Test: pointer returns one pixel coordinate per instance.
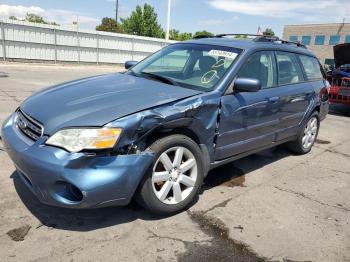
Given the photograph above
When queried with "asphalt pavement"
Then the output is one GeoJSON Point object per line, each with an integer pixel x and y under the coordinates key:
{"type": "Point", "coordinates": [271, 206]}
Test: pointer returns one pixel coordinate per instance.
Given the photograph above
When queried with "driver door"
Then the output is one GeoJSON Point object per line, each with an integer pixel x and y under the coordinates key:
{"type": "Point", "coordinates": [249, 120]}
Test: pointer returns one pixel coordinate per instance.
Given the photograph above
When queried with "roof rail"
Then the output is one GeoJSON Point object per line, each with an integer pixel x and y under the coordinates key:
{"type": "Point", "coordinates": [257, 38]}
{"type": "Point", "coordinates": [298, 44]}
{"type": "Point", "coordinates": [202, 36]}
{"type": "Point", "coordinates": [266, 38]}
{"type": "Point", "coordinates": [269, 38]}
{"type": "Point", "coordinates": [223, 35]}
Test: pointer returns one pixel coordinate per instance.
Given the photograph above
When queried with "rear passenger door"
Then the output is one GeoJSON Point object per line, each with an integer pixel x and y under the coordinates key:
{"type": "Point", "coordinates": [294, 93]}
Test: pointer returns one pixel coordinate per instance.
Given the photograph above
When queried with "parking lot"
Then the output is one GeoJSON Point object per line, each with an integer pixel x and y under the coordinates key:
{"type": "Point", "coordinates": [271, 206]}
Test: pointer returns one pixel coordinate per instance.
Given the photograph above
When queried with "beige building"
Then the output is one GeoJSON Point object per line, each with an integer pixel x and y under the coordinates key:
{"type": "Point", "coordinates": [320, 38]}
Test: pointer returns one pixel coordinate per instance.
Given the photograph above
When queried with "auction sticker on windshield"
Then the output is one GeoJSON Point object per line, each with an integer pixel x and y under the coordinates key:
{"type": "Point", "coordinates": [222, 54]}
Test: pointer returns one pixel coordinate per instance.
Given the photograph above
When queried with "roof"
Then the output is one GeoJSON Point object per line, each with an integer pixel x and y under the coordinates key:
{"type": "Point", "coordinates": [248, 44]}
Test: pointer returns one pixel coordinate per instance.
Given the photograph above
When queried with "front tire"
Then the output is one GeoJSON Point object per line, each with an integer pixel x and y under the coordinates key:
{"type": "Point", "coordinates": [175, 177]}
{"type": "Point", "coordinates": [307, 135]}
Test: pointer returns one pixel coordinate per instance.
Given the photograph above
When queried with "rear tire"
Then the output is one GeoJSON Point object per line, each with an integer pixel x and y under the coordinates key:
{"type": "Point", "coordinates": [307, 135]}
{"type": "Point", "coordinates": [174, 178]}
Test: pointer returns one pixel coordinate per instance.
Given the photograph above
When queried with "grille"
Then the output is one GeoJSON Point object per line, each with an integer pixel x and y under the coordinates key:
{"type": "Point", "coordinates": [337, 97]}
{"type": "Point", "coordinates": [28, 126]}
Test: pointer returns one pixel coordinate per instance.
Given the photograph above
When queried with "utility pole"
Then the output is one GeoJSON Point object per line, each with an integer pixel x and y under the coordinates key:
{"type": "Point", "coordinates": [168, 21]}
{"type": "Point", "coordinates": [116, 10]}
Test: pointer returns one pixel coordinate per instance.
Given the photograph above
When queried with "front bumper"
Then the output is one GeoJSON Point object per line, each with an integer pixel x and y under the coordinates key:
{"type": "Point", "coordinates": [77, 180]}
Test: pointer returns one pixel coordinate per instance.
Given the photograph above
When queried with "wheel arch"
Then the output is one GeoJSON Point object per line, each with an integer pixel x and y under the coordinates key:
{"type": "Point", "coordinates": [315, 106]}
{"type": "Point", "coordinates": [187, 127]}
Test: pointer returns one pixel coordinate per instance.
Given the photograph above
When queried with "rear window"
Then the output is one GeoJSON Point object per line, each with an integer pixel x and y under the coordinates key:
{"type": "Point", "coordinates": [311, 67]}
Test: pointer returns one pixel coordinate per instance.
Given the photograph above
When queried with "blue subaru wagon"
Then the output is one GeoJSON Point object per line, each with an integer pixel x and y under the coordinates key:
{"type": "Point", "coordinates": [153, 132]}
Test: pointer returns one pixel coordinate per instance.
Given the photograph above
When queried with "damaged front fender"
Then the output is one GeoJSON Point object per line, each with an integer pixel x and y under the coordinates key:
{"type": "Point", "coordinates": [198, 114]}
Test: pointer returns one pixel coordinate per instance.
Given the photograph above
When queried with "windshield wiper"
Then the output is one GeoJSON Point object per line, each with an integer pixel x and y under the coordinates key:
{"type": "Point", "coordinates": [161, 78]}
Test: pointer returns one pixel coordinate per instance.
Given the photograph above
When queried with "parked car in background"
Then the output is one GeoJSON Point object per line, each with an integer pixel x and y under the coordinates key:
{"type": "Point", "coordinates": [340, 76]}
{"type": "Point", "coordinates": [154, 132]}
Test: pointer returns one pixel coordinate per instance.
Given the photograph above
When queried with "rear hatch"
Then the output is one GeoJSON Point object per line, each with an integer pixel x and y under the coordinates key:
{"type": "Point", "coordinates": [341, 54]}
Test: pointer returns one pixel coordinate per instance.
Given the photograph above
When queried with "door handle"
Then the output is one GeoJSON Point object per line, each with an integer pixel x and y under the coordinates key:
{"type": "Point", "coordinates": [297, 99]}
{"type": "Point", "coordinates": [273, 99]}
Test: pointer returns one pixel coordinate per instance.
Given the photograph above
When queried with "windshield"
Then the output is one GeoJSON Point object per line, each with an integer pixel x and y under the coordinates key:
{"type": "Point", "coordinates": [193, 66]}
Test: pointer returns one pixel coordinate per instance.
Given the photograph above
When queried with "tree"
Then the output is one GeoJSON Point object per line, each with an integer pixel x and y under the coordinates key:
{"type": "Point", "coordinates": [269, 32]}
{"type": "Point", "coordinates": [33, 18]}
{"type": "Point", "coordinates": [203, 33]}
{"type": "Point", "coordinates": [109, 25]}
{"type": "Point", "coordinates": [185, 36]}
{"type": "Point", "coordinates": [176, 35]}
{"type": "Point", "coordinates": [143, 22]}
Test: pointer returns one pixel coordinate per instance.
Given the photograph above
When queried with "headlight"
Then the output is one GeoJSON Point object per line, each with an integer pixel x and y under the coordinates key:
{"type": "Point", "coordinates": [77, 139]}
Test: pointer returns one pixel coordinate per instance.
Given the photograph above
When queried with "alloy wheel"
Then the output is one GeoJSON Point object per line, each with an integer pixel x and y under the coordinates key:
{"type": "Point", "coordinates": [174, 175]}
{"type": "Point", "coordinates": [310, 133]}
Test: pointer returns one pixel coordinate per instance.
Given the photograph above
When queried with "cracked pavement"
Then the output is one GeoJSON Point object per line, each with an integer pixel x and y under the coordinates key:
{"type": "Point", "coordinates": [271, 206]}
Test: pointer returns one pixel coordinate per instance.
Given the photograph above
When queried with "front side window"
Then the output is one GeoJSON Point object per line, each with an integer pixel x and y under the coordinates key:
{"type": "Point", "coordinates": [319, 40]}
{"type": "Point", "coordinates": [193, 66]}
{"type": "Point", "coordinates": [311, 67]}
{"type": "Point", "coordinates": [260, 66]}
{"type": "Point", "coordinates": [306, 39]}
{"type": "Point", "coordinates": [334, 39]}
{"type": "Point", "coordinates": [289, 71]}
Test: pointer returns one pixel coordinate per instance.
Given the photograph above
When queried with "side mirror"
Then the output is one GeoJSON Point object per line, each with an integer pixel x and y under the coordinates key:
{"type": "Point", "coordinates": [129, 64]}
{"type": "Point", "coordinates": [247, 85]}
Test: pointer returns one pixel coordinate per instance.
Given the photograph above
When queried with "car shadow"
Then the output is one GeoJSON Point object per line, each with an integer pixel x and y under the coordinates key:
{"type": "Point", "coordinates": [78, 219]}
{"type": "Point", "coordinates": [234, 173]}
{"type": "Point", "coordinates": [91, 219]}
{"type": "Point", "coordinates": [339, 110]}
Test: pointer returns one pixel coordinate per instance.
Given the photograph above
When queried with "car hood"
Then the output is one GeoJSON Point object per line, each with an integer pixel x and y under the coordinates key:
{"type": "Point", "coordinates": [99, 100]}
{"type": "Point", "coordinates": [341, 54]}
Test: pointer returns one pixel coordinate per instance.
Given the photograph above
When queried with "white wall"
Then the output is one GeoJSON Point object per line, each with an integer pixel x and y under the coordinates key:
{"type": "Point", "coordinates": [29, 41]}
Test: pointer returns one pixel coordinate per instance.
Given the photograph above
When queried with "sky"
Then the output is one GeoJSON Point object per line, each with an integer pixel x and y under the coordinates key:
{"type": "Point", "coordinates": [217, 16]}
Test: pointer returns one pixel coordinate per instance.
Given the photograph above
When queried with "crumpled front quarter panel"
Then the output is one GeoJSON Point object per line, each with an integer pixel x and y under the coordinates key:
{"type": "Point", "coordinates": [198, 114]}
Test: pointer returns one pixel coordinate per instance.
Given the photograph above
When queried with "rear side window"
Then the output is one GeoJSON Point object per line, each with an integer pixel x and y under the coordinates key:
{"type": "Point", "coordinates": [289, 71]}
{"type": "Point", "coordinates": [260, 66]}
{"type": "Point", "coordinates": [311, 67]}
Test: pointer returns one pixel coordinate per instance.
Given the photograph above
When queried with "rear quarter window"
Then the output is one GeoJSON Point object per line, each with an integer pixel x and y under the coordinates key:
{"type": "Point", "coordinates": [311, 68]}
